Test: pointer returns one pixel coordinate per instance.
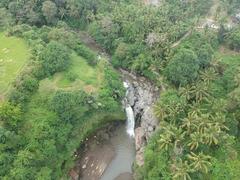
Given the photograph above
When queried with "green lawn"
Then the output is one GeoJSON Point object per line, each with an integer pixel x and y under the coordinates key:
{"type": "Point", "coordinates": [88, 78]}
{"type": "Point", "coordinates": [14, 53]}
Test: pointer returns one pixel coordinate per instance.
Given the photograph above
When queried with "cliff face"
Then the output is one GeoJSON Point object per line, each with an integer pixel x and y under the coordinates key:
{"type": "Point", "coordinates": [141, 97]}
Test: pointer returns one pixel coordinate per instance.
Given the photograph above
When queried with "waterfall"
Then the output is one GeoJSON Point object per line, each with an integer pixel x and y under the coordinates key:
{"type": "Point", "coordinates": [129, 113]}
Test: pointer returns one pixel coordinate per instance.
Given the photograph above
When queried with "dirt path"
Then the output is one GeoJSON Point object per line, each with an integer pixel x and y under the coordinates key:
{"type": "Point", "coordinates": [183, 38]}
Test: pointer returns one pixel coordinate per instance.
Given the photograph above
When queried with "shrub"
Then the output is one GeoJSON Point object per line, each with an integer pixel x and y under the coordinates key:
{"type": "Point", "coordinates": [55, 58]}
{"type": "Point", "coordinates": [88, 54]}
{"type": "Point", "coordinates": [182, 68]}
{"type": "Point", "coordinates": [71, 76]}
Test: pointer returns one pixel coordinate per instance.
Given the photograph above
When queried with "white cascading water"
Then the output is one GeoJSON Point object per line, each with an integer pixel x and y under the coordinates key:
{"type": "Point", "coordinates": [129, 113]}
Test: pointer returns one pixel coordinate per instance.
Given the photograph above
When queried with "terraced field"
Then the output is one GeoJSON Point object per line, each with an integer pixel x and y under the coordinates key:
{"type": "Point", "coordinates": [14, 54]}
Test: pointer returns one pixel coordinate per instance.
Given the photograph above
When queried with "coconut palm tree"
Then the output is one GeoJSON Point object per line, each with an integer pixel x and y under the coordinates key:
{"type": "Point", "coordinates": [181, 170]}
{"type": "Point", "coordinates": [203, 121]}
{"type": "Point", "coordinates": [200, 91]}
{"type": "Point", "coordinates": [200, 162]}
{"type": "Point", "coordinates": [160, 111]}
{"type": "Point", "coordinates": [211, 134]}
{"type": "Point", "coordinates": [208, 75]}
{"type": "Point", "coordinates": [189, 122]}
{"type": "Point", "coordinates": [219, 120]}
{"type": "Point", "coordinates": [165, 141]}
{"type": "Point", "coordinates": [186, 92]}
{"type": "Point", "coordinates": [195, 140]}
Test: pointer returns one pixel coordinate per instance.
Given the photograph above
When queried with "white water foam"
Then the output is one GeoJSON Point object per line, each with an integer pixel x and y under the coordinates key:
{"type": "Point", "coordinates": [130, 114]}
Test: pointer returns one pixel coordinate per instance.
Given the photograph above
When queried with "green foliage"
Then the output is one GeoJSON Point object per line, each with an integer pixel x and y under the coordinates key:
{"type": "Point", "coordinates": [5, 19]}
{"type": "Point", "coordinates": [183, 68]}
{"type": "Point", "coordinates": [63, 36]}
{"type": "Point", "coordinates": [54, 58]}
{"type": "Point", "coordinates": [112, 90]}
{"type": "Point", "coordinates": [87, 53]}
{"type": "Point", "coordinates": [71, 76]}
{"type": "Point", "coordinates": [170, 106]}
{"type": "Point", "coordinates": [233, 39]}
{"type": "Point", "coordinates": [49, 10]}
{"type": "Point", "coordinates": [10, 115]}
{"type": "Point", "coordinates": [66, 105]}
{"type": "Point", "coordinates": [205, 55]}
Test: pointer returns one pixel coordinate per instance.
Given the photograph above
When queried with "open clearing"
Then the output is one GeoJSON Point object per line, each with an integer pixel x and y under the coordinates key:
{"type": "Point", "coordinates": [14, 53]}
{"type": "Point", "coordinates": [87, 78]}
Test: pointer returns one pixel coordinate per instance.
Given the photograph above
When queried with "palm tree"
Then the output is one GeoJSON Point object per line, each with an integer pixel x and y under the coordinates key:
{"type": "Point", "coordinates": [195, 140]}
{"type": "Point", "coordinates": [166, 136]}
{"type": "Point", "coordinates": [203, 121]}
{"type": "Point", "coordinates": [219, 120]}
{"type": "Point", "coordinates": [208, 75]}
{"type": "Point", "coordinates": [200, 91]}
{"type": "Point", "coordinates": [211, 134]}
{"type": "Point", "coordinates": [190, 121]}
{"type": "Point", "coordinates": [186, 92]}
{"type": "Point", "coordinates": [171, 135]}
{"type": "Point", "coordinates": [181, 170]}
{"type": "Point", "coordinates": [200, 162]}
{"type": "Point", "coordinates": [165, 141]}
{"type": "Point", "coordinates": [160, 111]}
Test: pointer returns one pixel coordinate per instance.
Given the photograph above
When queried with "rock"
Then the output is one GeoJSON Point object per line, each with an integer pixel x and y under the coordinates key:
{"type": "Point", "coordinates": [74, 175]}
{"type": "Point", "coordinates": [84, 166]}
{"type": "Point", "coordinates": [139, 138]}
{"type": "Point", "coordinates": [141, 95]}
{"type": "Point", "coordinates": [140, 157]}
{"type": "Point", "coordinates": [150, 129]}
{"type": "Point", "coordinates": [105, 136]}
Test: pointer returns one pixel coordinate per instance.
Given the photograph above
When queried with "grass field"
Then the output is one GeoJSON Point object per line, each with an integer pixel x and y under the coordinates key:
{"type": "Point", "coordinates": [13, 55]}
{"type": "Point", "coordinates": [87, 78]}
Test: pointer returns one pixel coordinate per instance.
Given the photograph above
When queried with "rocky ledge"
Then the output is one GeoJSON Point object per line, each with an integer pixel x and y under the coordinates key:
{"type": "Point", "coordinates": [141, 97]}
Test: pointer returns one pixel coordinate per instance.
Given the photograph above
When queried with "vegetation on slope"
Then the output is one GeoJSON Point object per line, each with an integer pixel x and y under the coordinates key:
{"type": "Point", "coordinates": [199, 115]}
{"type": "Point", "coordinates": [43, 123]}
{"type": "Point", "coordinates": [14, 54]}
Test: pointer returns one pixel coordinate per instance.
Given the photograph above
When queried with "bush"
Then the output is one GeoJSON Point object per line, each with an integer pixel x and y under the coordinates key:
{"type": "Point", "coordinates": [205, 55]}
{"type": "Point", "coordinates": [54, 58]}
{"type": "Point", "coordinates": [182, 68]}
{"type": "Point", "coordinates": [87, 53]}
{"type": "Point", "coordinates": [71, 76]}
{"type": "Point", "coordinates": [234, 39]}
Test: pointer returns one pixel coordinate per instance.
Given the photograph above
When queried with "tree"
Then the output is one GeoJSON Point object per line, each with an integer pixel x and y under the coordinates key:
{"type": "Point", "coordinates": [205, 54]}
{"type": "Point", "coordinates": [195, 140]}
{"type": "Point", "coordinates": [233, 39]}
{"type": "Point", "coordinates": [181, 170]}
{"type": "Point", "coordinates": [200, 162]}
{"type": "Point", "coordinates": [208, 75]}
{"type": "Point", "coordinates": [49, 10]}
{"type": "Point", "coordinates": [10, 115]}
{"type": "Point", "coordinates": [189, 122]}
{"type": "Point", "coordinates": [200, 91]}
{"type": "Point", "coordinates": [186, 92]}
{"type": "Point", "coordinates": [54, 58]}
{"type": "Point", "coordinates": [182, 68]}
{"type": "Point", "coordinates": [5, 18]}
